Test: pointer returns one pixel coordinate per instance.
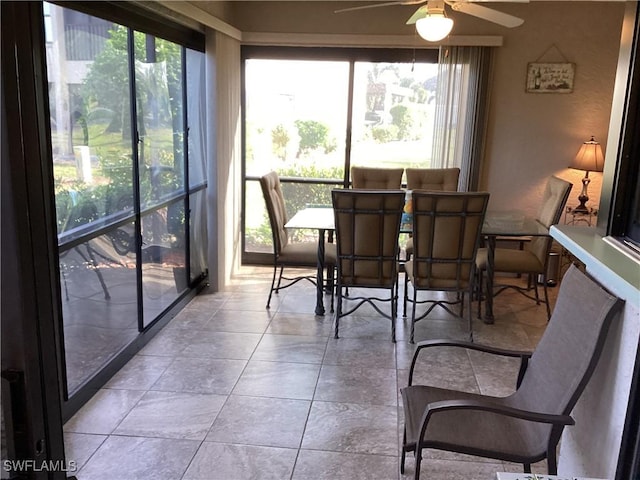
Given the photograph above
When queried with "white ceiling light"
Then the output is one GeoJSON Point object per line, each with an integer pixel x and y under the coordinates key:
{"type": "Point", "coordinates": [434, 26]}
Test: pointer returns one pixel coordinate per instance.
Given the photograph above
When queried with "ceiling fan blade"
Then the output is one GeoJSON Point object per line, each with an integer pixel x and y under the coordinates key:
{"type": "Point", "coordinates": [485, 13]}
{"type": "Point", "coordinates": [420, 13]}
{"type": "Point", "coordinates": [376, 5]}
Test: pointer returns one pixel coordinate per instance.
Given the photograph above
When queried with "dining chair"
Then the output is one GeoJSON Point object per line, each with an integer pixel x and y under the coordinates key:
{"type": "Point", "coordinates": [446, 235]}
{"type": "Point", "coordinates": [376, 178]}
{"type": "Point", "coordinates": [532, 259]}
{"type": "Point", "coordinates": [289, 254]}
{"type": "Point", "coordinates": [367, 226]}
{"type": "Point", "coordinates": [525, 426]}
{"type": "Point", "coordinates": [432, 180]}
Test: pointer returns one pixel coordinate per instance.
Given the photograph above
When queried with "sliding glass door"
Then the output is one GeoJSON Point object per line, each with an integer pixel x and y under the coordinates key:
{"type": "Point", "coordinates": [309, 114]}
{"type": "Point", "coordinates": [125, 174]}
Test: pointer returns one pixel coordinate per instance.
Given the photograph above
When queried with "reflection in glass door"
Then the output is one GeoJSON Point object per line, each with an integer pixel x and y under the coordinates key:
{"type": "Point", "coordinates": [87, 65]}
{"type": "Point", "coordinates": [158, 81]}
{"type": "Point", "coordinates": [120, 163]}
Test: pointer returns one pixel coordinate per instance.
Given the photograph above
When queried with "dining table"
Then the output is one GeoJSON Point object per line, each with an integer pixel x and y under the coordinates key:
{"type": "Point", "coordinates": [498, 224]}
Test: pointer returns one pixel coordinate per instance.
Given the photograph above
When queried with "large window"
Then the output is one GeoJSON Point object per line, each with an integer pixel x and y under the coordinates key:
{"type": "Point", "coordinates": [393, 113]}
{"type": "Point", "coordinates": [310, 114]}
{"type": "Point", "coordinates": [126, 174]}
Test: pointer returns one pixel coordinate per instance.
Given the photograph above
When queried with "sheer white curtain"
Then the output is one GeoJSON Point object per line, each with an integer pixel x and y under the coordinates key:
{"type": "Point", "coordinates": [224, 190]}
{"type": "Point", "coordinates": [461, 102]}
{"type": "Point", "coordinates": [197, 145]}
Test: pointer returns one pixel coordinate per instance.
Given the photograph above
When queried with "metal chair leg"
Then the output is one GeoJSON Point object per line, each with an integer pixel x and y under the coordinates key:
{"type": "Point", "coordinates": [413, 315]}
{"type": "Point", "coordinates": [338, 310]}
{"type": "Point", "coordinates": [273, 282]}
{"type": "Point", "coordinates": [404, 300]}
{"type": "Point", "coordinates": [546, 299]}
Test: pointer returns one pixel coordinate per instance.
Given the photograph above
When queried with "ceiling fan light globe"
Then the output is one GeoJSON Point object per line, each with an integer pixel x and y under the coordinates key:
{"type": "Point", "coordinates": [434, 27]}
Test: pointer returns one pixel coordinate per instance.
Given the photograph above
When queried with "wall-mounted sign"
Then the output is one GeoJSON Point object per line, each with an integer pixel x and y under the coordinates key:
{"type": "Point", "coordinates": [550, 77]}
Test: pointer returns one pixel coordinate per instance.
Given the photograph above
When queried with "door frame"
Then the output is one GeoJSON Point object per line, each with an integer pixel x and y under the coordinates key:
{"type": "Point", "coordinates": [30, 358]}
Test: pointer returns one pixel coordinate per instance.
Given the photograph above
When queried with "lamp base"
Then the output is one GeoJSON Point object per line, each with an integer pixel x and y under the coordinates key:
{"type": "Point", "coordinates": [583, 198]}
{"type": "Point", "coordinates": [580, 209]}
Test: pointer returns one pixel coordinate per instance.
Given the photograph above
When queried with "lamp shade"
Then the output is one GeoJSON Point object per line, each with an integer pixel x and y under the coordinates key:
{"type": "Point", "coordinates": [589, 157]}
{"type": "Point", "coordinates": [434, 27]}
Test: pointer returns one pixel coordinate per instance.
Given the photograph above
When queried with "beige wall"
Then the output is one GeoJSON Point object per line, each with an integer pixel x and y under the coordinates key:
{"type": "Point", "coordinates": [530, 136]}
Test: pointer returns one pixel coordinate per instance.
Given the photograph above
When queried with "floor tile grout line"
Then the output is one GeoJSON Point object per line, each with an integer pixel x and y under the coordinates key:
{"type": "Point", "coordinates": [306, 422]}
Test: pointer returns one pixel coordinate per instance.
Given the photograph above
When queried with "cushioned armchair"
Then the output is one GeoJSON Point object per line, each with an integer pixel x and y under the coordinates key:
{"type": "Point", "coordinates": [376, 178]}
{"type": "Point", "coordinates": [367, 226]}
{"type": "Point", "coordinates": [524, 427]}
{"type": "Point", "coordinates": [285, 253]}
{"type": "Point", "coordinates": [446, 234]}
{"type": "Point", "coordinates": [532, 259]}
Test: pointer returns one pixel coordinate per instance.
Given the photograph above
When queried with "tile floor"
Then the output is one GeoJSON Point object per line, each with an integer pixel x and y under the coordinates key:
{"type": "Point", "coordinates": [232, 391]}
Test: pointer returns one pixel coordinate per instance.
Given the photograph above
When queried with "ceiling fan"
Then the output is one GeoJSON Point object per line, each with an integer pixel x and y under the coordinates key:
{"type": "Point", "coordinates": [432, 23]}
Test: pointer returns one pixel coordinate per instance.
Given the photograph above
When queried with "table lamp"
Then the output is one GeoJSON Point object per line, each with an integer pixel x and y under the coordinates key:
{"type": "Point", "coordinates": [589, 159]}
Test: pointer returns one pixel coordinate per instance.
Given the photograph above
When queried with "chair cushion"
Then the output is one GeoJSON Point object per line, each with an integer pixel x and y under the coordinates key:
{"type": "Point", "coordinates": [433, 179]}
{"type": "Point", "coordinates": [465, 431]}
{"type": "Point", "coordinates": [376, 178]}
{"type": "Point", "coordinates": [367, 229]}
{"type": "Point", "coordinates": [553, 200]}
{"type": "Point", "coordinates": [306, 254]}
{"type": "Point", "coordinates": [443, 277]}
{"type": "Point", "coordinates": [511, 260]}
{"type": "Point", "coordinates": [272, 192]}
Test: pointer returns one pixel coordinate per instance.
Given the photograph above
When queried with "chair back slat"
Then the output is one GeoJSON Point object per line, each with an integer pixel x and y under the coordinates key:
{"type": "Point", "coordinates": [367, 228]}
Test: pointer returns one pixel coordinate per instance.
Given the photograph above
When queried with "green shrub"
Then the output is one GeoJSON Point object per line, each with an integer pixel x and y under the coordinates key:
{"type": "Point", "coordinates": [385, 133]}
{"type": "Point", "coordinates": [279, 140]}
{"type": "Point", "coordinates": [401, 118]}
{"type": "Point", "coordinates": [312, 135]}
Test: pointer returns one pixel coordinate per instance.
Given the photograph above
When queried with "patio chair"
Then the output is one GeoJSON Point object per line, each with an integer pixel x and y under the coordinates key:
{"type": "Point", "coordinates": [523, 427]}
{"type": "Point", "coordinates": [367, 227]}
{"type": "Point", "coordinates": [432, 180]}
{"type": "Point", "coordinates": [286, 253]}
{"type": "Point", "coordinates": [532, 258]}
{"type": "Point", "coordinates": [446, 234]}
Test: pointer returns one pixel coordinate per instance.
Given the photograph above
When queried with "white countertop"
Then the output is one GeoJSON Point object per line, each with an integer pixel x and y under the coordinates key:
{"type": "Point", "coordinates": [615, 267]}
